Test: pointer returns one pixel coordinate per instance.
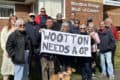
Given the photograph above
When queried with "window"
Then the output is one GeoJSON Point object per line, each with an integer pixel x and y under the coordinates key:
{"type": "Point", "coordinates": [6, 11]}
{"type": "Point", "coordinates": [53, 7]}
{"type": "Point", "coordinates": [112, 2]}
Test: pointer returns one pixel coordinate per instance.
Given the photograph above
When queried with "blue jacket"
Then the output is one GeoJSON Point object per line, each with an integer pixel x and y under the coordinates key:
{"type": "Point", "coordinates": [75, 30]}
{"type": "Point", "coordinates": [32, 30]}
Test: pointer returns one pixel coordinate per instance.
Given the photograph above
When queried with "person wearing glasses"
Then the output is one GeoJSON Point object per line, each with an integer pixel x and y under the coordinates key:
{"type": "Point", "coordinates": [41, 18]}
{"type": "Point", "coordinates": [19, 47]}
{"type": "Point", "coordinates": [7, 67]}
{"type": "Point", "coordinates": [85, 62]}
{"type": "Point", "coordinates": [106, 46]}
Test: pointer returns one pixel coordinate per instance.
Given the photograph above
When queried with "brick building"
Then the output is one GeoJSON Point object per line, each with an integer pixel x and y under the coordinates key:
{"type": "Point", "coordinates": [21, 8]}
{"type": "Point", "coordinates": [112, 9]}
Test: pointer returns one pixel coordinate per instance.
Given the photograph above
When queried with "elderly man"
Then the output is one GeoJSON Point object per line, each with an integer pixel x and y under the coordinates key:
{"type": "Point", "coordinates": [113, 29]}
{"type": "Point", "coordinates": [106, 46]}
{"type": "Point", "coordinates": [19, 46]}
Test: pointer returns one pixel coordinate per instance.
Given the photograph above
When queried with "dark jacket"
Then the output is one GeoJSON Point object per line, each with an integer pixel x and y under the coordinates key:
{"type": "Point", "coordinates": [70, 23]}
{"type": "Point", "coordinates": [32, 29]}
{"type": "Point", "coordinates": [17, 43]}
{"type": "Point", "coordinates": [107, 40]}
{"type": "Point", "coordinates": [57, 25]}
{"type": "Point", "coordinates": [75, 30]}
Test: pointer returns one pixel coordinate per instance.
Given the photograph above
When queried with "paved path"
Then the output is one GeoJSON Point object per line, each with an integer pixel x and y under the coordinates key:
{"type": "Point", "coordinates": [98, 76]}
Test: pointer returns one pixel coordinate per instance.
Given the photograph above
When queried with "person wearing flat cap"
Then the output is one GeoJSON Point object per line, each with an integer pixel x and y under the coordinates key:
{"type": "Point", "coordinates": [32, 29]}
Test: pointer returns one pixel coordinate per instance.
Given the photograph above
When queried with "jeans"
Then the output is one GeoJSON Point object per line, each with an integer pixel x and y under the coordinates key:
{"type": "Point", "coordinates": [107, 56]}
{"type": "Point", "coordinates": [22, 70]}
{"type": "Point", "coordinates": [86, 71]}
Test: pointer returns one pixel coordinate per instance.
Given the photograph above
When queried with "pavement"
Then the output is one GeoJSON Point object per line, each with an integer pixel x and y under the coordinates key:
{"type": "Point", "coordinates": [99, 77]}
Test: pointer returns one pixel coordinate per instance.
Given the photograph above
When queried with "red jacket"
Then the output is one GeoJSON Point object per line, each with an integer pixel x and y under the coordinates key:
{"type": "Point", "coordinates": [38, 19]}
{"type": "Point", "coordinates": [115, 32]}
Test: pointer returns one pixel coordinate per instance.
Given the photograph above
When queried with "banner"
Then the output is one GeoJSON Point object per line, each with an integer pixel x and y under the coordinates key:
{"type": "Point", "coordinates": [60, 43]}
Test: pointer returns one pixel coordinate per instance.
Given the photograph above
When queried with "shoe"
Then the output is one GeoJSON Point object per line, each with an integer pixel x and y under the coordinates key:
{"type": "Point", "coordinates": [112, 78]}
{"type": "Point", "coordinates": [103, 75]}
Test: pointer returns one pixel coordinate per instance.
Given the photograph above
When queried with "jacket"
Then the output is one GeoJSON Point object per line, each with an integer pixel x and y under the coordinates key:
{"type": "Point", "coordinates": [75, 30]}
{"type": "Point", "coordinates": [32, 29]}
{"type": "Point", "coordinates": [17, 43]}
{"type": "Point", "coordinates": [115, 32]}
{"type": "Point", "coordinates": [95, 41]}
{"type": "Point", "coordinates": [107, 40]}
{"type": "Point", "coordinates": [39, 20]}
{"type": "Point", "coordinates": [57, 25]}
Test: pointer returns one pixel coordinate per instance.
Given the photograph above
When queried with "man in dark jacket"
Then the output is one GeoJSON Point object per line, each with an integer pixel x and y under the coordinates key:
{"type": "Point", "coordinates": [106, 46]}
{"type": "Point", "coordinates": [113, 28]}
{"type": "Point", "coordinates": [19, 46]}
{"type": "Point", "coordinates": [47, 60]}
{"type": "Point", "coordinates": [32, 29]}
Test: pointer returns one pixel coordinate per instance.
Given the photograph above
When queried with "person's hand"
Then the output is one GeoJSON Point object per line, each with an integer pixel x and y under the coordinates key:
{"type": "Point", "coordinates": [92, 35]}
{"type": "Point", "coordinates": [40, 30]}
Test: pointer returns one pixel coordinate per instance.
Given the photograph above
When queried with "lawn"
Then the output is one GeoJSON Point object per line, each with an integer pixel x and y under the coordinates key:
{"type": "Point", "coordinates": [76, 76]}
{"type": "Point", "coordinates": [117, 56]}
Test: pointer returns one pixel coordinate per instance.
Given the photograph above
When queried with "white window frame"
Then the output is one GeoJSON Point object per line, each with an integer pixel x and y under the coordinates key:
{"type": "Point", "coordinates": [41, 4]}
{"type": "Point", "coordinates": [111, 2]}
{"type": "Point", "coordinates": [7, 6]}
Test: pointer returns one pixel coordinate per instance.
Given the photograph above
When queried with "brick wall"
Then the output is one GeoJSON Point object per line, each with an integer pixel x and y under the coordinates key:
{"type": "Point", "coordinates": [114, 13]}
{"type": "Point", "coordinates": [97, 16]}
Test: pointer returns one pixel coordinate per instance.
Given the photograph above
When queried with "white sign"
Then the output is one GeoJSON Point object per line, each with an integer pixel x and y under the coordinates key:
{"type": "Point", "coordinates": [112, 2]}
{"type": "Point", "coordinates": [60, 43]}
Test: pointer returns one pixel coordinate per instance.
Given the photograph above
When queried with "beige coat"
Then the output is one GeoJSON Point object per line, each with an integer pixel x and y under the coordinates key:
{"type": "Point", "coordinates": [7, 67]}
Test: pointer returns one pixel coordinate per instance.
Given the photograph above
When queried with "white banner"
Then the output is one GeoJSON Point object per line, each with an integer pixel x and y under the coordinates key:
{"type": "Point", "coordinates": [54, 42]}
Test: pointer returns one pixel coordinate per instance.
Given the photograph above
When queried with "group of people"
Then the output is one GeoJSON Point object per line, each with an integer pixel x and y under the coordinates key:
{"type": "Point", "coordinates": [20, 42]}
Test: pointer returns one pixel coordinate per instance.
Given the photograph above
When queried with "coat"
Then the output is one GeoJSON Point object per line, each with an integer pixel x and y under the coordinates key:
{"type": "Point", "coordinates": [16, 45]}
{"type": "Point", "coordinates": [7, 67]}
{"type": "Point", "coordinates": [107, 40]}
{"type": "Point", "coordinates": [32, 29]}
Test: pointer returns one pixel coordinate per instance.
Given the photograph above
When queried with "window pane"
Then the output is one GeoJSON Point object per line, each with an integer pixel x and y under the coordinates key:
{"type": "Point", "coordinates": [53, 7]}
{"type": "Point", "coordinates": [6, 11]}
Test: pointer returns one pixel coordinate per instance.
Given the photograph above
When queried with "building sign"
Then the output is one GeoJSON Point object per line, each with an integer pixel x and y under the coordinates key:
{"type": "Point", "coordinates": [84, 7]}
{"type": "Point", "coordinates": [112, 2]}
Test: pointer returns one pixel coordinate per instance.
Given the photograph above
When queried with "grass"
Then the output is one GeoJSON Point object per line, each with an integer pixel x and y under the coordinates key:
{"type": "Point", "coordinates": [117, 56]}
{"type": "Point", "coordinates": [76, 76]}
